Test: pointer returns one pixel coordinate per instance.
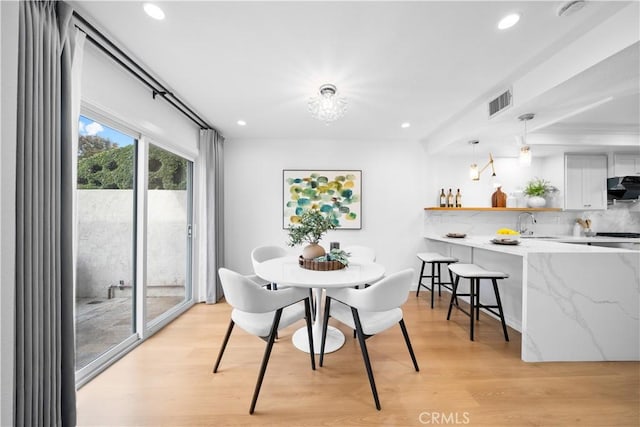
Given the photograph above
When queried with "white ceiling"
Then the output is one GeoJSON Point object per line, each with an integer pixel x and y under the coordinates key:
{"type": "Point", "coordinates": [416, 61]}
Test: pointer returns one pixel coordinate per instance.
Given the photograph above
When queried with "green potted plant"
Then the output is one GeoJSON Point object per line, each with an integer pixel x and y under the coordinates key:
{"type": "Point", "coordinates": [336, 255]}
{"type": "Point", "coordinates": [536, 190]}
{"type": "Point", "coordinates": [313, 224]}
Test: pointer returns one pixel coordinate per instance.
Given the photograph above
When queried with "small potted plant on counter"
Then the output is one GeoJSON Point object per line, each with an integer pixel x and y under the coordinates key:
{"type": "Point", "coordinates": [536, 190]}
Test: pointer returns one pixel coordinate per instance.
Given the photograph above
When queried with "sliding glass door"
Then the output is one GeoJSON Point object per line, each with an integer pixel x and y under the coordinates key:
{"type": "Point", "coordinates": [168, 272]}
{"type": "Point", "coordinates": [105, 264]}
{"type": "Point", "coordinates": [133, 246]}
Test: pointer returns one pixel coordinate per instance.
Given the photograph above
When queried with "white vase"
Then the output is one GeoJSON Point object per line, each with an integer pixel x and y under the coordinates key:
{"type": "Point", "coordinates": [536, 202]}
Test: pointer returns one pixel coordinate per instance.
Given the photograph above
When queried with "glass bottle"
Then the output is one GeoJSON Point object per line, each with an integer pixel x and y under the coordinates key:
{"type": "Point", "coordinates": [458, 199]}
{"type": "Point", "coordinates": [443, 199]}
{"type": "Point", "coordinates": [450, 199]}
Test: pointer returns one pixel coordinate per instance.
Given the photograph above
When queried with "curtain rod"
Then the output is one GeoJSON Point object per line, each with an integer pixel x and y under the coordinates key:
{"type": "Point", "coordinates": [146, 78]}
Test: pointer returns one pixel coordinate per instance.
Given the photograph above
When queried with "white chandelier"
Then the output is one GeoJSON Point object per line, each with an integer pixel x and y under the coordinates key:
{"type": "Point", "coordinates": [327, 106]}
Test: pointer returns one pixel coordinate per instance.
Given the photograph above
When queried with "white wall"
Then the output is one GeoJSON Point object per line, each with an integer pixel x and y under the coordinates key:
{"type": "Point", "coordinates": [452, 171]}
{"type": "Point", "coordinates": [393, 182]}
{"type": "Point", "coordinates": [8, 97]}
{"type": "Point", "coordinates": [399, 181]}
{"type": "Point", "coordinates": [113, 90]}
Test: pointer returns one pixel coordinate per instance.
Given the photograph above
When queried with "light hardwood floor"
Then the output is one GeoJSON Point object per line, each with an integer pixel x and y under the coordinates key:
{"type": "Point", "coordinates": [168, 380]}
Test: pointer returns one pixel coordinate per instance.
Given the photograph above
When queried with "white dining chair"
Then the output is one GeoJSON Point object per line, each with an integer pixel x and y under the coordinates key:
{"type": "Point", "coordinates": [370, 311]}
{"type": "Point", "coordinates": [359, 253]}
{"type": "Point", "coordinates": [265, 253]}
{"type": "Point", "coordinates": [262, 313]}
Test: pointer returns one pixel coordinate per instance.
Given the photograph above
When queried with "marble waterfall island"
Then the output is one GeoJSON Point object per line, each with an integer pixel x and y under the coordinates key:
{"type": "Point", "coordinates": [570, 302]}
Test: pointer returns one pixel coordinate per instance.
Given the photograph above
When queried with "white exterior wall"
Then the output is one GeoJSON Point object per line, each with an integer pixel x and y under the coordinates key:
{"type": "Point", "coordinates": [105, 236]}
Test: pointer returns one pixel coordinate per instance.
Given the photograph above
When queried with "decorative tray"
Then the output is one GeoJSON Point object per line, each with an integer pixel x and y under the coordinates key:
{"type": "Point", "coordinates": [456, 235]}
{"type": "Point", "coordinates": [505, 241]}
{"type": "Point", "coordinates": [310, 264]}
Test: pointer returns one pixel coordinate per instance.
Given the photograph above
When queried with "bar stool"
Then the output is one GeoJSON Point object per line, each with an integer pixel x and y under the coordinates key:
{"type": "Point", "coordinates": [474, 273]}
{"type": "Point", "coordinates": [434, 259]}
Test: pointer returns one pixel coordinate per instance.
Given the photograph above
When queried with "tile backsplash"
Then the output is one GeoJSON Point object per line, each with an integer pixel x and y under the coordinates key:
{"type": "Point", "coordinates": [615, 218]}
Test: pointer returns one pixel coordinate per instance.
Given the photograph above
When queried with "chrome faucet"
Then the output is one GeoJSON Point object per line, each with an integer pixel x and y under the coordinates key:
{"type": "Point", "coordinates": [521, 225]}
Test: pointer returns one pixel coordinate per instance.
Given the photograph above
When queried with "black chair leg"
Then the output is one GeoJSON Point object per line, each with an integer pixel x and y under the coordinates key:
{"type": "Point", "coordinates": [472, 307]}
{"type": "Point", "coordinates": [451, 277]}
{"type": "Point", "coordinates": [224, 345]}
{"type": "Point", "coordinates": [365, 356]}
{"type": "Point", "coordinates": [433, 272]}
{"type": "Point", "coordinates": [504, 325]}
{"type": "Point", "coordinates": [478, 299]}
{"type": "Point", "coordinates": [307, 312]}
{"type": "Point", "coordinates": [420, 279]}
{"type": "Point", "coordinates": [408, 341]}
{"type": "Point", "coordinates": [313, 303]}
{"type": "Point", "coordinates": [453, 296]}
{"type": "Point", "coordinates": [265, 358]}
{"type": "Point", "coordinates": [439, 281]}
{"type": "Point", "coordinates": [327, 306]}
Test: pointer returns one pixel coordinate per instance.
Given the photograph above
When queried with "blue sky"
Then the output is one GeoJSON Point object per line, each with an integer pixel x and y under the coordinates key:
{"type": "Point", "coordinates": [90, 127]}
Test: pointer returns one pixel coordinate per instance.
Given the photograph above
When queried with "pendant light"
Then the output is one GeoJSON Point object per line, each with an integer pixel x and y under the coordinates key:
{"type": "Point", "coordinates": [525, 150]}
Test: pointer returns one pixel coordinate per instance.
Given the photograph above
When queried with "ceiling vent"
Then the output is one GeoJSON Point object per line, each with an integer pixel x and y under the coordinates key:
{"type": "Point", "coordinates": [501, 102]}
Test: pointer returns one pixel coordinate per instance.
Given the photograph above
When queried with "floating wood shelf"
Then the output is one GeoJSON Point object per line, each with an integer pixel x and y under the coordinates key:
{"type": "Point", "coordinates": [496, 209]}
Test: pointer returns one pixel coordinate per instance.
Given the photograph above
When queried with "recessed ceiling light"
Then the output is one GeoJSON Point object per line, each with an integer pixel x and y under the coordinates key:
{"type": "Point", "coordinates": [405, 125]}
{"type": "Point", "coordinates": [508, 21]}
{"type": "Point", "coordinates": [153, 11]}
{"type": "Point", "coordinates": [241, 123]}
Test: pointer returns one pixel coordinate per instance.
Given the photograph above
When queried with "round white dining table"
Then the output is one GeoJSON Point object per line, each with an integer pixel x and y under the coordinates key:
{"type": "Point", "coordinates": [287, 271]}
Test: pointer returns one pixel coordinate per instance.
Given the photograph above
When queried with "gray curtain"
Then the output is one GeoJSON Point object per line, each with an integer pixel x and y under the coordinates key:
{"type": "Point", "coordinates": [211, 152]}
{"type": "Point", "coordinates": [44, 355]}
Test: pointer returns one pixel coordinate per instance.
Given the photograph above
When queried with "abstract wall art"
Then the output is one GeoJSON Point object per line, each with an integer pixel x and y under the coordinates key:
{"type": "Point", "coordinates": [337, 193]}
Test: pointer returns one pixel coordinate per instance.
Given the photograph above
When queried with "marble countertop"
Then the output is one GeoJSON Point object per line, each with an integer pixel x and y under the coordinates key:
{"type": "Point", "coordinates": [594, 239]}
{"type": "Point", "coordinates": [528, 245]}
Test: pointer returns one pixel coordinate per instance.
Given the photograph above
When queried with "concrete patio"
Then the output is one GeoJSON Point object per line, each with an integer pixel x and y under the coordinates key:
{"type": "Point", "coordinates": [102, 323]}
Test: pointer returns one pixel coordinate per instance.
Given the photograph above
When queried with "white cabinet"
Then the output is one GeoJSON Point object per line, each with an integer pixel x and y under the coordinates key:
{"type": "Point", "coordinates": [626, 165]}
{"type": "Point", "coordinates": [585, 182]}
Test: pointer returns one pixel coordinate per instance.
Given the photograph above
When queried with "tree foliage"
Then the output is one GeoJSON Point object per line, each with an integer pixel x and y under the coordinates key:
{"type": "Point", "coordinates": [166, 170]}
{"type": "Point", "coordinates": [313, 224]}
{"type": "Point", "coordinates": [112, 168]}
{"type": "Point", "coordinates": [88, 145]}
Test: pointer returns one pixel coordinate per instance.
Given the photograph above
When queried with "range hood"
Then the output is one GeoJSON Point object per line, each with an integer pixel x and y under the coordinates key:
{"type": "Point", "coordinates": [623, 188]}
